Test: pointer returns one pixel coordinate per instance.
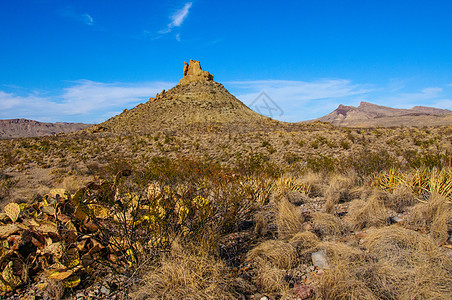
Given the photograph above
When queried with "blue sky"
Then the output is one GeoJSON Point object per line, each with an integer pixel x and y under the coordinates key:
{"type": "Point", "coordinates": [85, 61]}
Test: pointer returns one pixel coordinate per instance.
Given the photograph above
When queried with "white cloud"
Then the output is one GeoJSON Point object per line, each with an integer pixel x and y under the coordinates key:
{"type": "Point", "coordinates": [177, 18]}
{"type": "Point", "coordinates": [83, 18]}
{"type": "Point", "coordinates": [84, 101]}
{"type": "Point", "coordinates": [301, 100]}
{"type": "Point", "coordinates": [87, 19]}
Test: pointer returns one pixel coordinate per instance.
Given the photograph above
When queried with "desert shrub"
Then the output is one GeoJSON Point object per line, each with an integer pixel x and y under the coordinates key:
{"type": "Point", "coordinates": [321, 164]}
{"type": "Point", "coordinates": [429, 159]}
{"type": "Point", "coordinates": [366, 163]}
{"type": "Point", "coordinates": [257, 164]}
{"type": "Point", "coordinates": [291, 158]}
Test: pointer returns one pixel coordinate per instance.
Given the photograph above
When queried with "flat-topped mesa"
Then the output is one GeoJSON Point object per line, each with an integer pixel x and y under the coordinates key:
{"type": "Point", "coordinates": [194, 73]}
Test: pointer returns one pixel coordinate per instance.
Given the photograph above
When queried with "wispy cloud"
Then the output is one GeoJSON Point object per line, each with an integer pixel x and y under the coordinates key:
{"type": "Point", "coordinates": [80, 17]}
{"type": "Point", "coordinates": [177, 18]}
{"type": "Point", "coordinates": [84, 101]}
{"type": "Point", "coordinates": [426, 96]}
{"type": "Point", "coordinates": [301, 100]}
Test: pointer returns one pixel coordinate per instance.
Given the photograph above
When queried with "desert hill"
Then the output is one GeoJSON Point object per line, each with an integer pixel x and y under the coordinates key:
{"type": "Point", "coordinates": [372, 115]}
{"type": "Point", "coordinates": [17, 128]}
{"type": "Point", "coordinates": [195, 102]}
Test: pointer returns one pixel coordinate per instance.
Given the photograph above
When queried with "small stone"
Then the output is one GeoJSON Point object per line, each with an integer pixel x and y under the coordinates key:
{"type": "Point", "coordinates": [264, 298]}
{"type": "Point", "coordinates": [104, 290]}
{"type": "Point", "coordinates": [396, 219]}
{"type": "Point", "coordinates": [319, 259]}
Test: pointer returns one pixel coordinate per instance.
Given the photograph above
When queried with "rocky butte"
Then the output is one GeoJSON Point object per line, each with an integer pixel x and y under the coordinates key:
{"type": "Point", "coordinates": [197, 102]}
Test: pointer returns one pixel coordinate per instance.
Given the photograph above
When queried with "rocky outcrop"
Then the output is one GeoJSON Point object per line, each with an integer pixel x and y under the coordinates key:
{"type": "Point", "coordinates": [194, 73]}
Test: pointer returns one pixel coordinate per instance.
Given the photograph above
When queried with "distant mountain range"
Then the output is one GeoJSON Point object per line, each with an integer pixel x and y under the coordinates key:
{"type": "Point", "coordinates": [17, 128]}
{"type": "Point", "coordinates": [372, 115]}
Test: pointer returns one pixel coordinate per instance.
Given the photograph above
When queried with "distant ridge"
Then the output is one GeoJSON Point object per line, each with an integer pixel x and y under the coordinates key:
{"type": "Point", "coordinates": [19, 128]}
{"type": "Point", "coordinates": [372, 115]}
{"type": "Point", "coordinates": [197, 102]}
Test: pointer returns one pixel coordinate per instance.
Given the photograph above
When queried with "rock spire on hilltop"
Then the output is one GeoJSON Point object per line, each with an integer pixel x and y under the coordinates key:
{"type": "Point", "coordinates": [196, 103]}
{"type": "Point", "coordinates": [193, 73]}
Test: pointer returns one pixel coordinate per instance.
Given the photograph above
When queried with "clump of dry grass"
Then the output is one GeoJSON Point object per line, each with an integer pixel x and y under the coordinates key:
{"type": "Point", "coordinates": [338, 252]}
{"type": "Point", "coordinates": [270, 278]}
{"type": "Point", "coordinates": [273, 258]}
{"type": "Point", "coordinates": [401, 264]}
{"type": "Point", "coordinates": [304, 240]}
{"type": "Point", "coordinates": [340, 189]}
{"type": "Point", "coordinates": [434, 216]}
{"type": "Point", "coordinates": [327, 224]}
{"type": "Point", "coordinates": [184, 274]}
{"type": "Point", "coordinates": [371, 212]}
{"type": "Point", "coordinates": [401, 198]}
{"type": "Point", "coordinates": [289, 219]}
{"type": "Point", "coordinates": [260, 225]}
{"type": "Point", "coordinates": [315, 184]}
{"type": "Point", "coordinates": [277, 253]}
{"type": "Point", "coordinates": [342, 283]}
{"type": "Point", "coordinates": [428, 272]}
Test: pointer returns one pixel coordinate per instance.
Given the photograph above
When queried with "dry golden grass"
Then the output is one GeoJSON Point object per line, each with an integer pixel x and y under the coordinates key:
{"type": "Point", "coordinates": [304, 240]}
{"type": "Point", "coordinates": [260, 225]}
{"type": "Point", "coordinates": [402, 264]}
{"type": "Point", "coordinates": [401, 198]}
{"type": "Point", "coordinates": [338, 252]}
{"type": "Point", "coordinates": [270, 278]}
{"type": "Point", "coordinates": [277, 253]}
{"type": "Point", "coordinates": [289, 219]}
{"type": "Point", "coordinates": [184, 274]}
{"type": "Point", "coordinates": [327, 224]}
{"type": "Point", "coordinates": [371, 212]}
{"type": "Point", "coordinates": [434, 216]}
{"type": "Point", "coordinates": [428, 271]}
{"type": "Point", "coordinates": [315, 182]}
{"type": "Point", "coordinates": [341, 283]}
{"type": "Point", "coordinates": [341, 189]}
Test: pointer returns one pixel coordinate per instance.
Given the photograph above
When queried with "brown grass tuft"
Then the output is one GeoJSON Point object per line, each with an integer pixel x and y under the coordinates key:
{"type": "Point", "coordinates": [183, 274]}
{"type": "Point", "coordinates": [304, 240]}
{"type": "Point", "coordinates": [401, 198]}
{"type": "Point", "coordinates": [260, 225]}
{"type": "Point", "coordinates": [339, 190]}
{"type": "Point", "coordinates": [368, 213]}
{"type": "Point", "coordinates": [434, 216]}
{"type": "Point", "coordinates": [278, 253]}
{"type": "Point", "coordinates": [270, 278]}
{"type": "Point", "coordinates": [327, 224]}
{"type": "Point", "coordinates": [289, 219]}
{"type": "Point", "coordinates": [401, 264]}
